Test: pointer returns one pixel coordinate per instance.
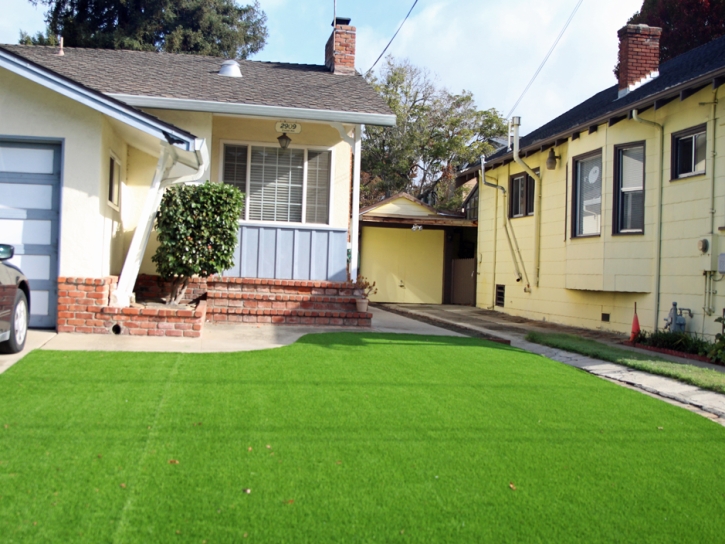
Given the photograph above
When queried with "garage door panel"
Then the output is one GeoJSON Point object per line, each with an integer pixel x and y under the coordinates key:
{"type": "Point", "coordinates": [29, 218]}
{"type": "Point", "coordinates": [380, 262]}
{"type": "Point", "coordinates": [424, 266]}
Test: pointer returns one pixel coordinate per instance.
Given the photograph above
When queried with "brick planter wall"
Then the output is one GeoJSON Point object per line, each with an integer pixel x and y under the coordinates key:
{"type": "Point", "coordinates": [83, 306]}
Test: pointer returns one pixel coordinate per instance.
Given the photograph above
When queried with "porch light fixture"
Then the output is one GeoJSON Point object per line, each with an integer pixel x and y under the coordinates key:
{"type": "Point", "coordinates": [551, 160]}
{"type": "Point", "coordinates": [284, 141]}
{"type": "Point", "coordinates": [417, 227]}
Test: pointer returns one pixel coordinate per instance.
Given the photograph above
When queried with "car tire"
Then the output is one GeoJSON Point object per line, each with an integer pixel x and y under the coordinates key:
{"type": "Point", "coordinates": [18, 325]}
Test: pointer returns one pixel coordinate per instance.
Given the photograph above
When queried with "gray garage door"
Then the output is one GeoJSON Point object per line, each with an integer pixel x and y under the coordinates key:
{"type": "Point", "coordinates": [29, 204]}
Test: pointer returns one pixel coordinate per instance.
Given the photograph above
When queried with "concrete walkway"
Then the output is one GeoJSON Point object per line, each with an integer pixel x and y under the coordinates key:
{"type": "Point", "coordinates": [514, 329]}
{"type": "Point", "coordinates": [216, 338]}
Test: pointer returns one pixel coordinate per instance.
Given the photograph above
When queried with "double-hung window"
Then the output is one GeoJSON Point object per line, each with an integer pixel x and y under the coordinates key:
{"type": "Point", "coordinates": [291, 185]}
{"type": "Point", "coordinates": [629, 189]}
{"type": "Point", "coordinates": [688, 152]}
{"type": "Point", "coordinates": [521, 191]}
{"type": "Point", "coordinates": [587, 208]}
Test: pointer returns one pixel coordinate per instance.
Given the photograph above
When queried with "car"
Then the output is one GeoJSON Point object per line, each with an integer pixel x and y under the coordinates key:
{"type": "Point", "coordinates": [14, 303]}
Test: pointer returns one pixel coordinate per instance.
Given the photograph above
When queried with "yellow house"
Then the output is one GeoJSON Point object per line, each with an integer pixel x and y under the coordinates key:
{"type": "Point", "coordinates": [621, 200]}
{"type": "Point", "coordinates": [89, 139]}
{"type": "Point", "coordinates": [416, 255]}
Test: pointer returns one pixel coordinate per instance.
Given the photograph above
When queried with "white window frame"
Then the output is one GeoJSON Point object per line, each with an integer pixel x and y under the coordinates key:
{"type": "Point", "coordinates": [114, 205]}
{"type": "Point", "coordinates": [306, 148]}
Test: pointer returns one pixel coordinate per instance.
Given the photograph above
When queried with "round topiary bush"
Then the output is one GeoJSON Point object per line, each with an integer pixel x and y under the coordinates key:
{"type": "Point", "coordinates": [197, 232]}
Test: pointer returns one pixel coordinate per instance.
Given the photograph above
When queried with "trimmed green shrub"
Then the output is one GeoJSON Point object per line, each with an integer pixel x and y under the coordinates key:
{"type": "Point", "coordinates": [197, 233]}
{"type": "Point", "coordinates": [677, 341]}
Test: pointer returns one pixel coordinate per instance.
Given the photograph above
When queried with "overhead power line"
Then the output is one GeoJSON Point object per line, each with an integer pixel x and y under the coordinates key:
{"type": "Point", "coordinates": [558, 38]}
{"type": "Point", "coordinates": [391, 39]}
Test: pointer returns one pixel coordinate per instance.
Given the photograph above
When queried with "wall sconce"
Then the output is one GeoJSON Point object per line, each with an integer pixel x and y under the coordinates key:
{"type": "Point", "coordinates": [284, 141]}
{"type": "Point", "coordinates": [551, 160]}
{"type": "Point", "coordinates": [417, 227]}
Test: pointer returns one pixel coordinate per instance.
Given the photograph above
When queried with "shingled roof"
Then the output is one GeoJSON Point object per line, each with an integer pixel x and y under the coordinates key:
{"type": "Point", "coordinates": [196, 78]}
{"type": "Point", "coordinates": [678, 79]}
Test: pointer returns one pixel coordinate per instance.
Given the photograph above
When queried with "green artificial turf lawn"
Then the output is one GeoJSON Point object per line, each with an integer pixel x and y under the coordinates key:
{"type": "Point", "coordinates": [705, 378]}
{"type": "Point", "coordinates": [348, 437]}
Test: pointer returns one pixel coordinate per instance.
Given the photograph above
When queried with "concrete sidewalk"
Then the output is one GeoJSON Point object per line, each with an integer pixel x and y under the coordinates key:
{"type": "Point", "coordinates": [514, 329]}
{"type": "Point", "coordinates": [215, 338]}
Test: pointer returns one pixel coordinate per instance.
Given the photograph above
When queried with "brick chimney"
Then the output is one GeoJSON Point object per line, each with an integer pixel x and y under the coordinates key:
{"type": "Point", "coordinates": [340, 48]}
{"type": "Point", "coordinates": [639, 56]}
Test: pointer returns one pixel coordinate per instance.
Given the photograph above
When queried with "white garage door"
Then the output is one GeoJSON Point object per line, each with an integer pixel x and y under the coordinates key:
{"type": "Point", "coordinates": [29, 204]}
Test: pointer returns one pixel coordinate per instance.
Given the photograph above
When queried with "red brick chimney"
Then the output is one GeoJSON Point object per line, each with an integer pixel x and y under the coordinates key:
{"type": "Point", "coordinates": [639, 56]}
{"type": "Point", "coordinates": [340, 48]}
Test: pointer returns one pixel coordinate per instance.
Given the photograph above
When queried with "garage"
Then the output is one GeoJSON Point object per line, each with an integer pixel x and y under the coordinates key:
{"type": "Point", "coordinates": [29, 204]}
{"type": "Point", "coordinates": [416, 255]}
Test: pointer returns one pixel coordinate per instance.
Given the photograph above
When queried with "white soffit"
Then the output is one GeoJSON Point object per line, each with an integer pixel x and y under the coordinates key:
{"type": "Point", "coordinates": [275, 112]}
{"type": "Point", "coordinates": [97, 101]}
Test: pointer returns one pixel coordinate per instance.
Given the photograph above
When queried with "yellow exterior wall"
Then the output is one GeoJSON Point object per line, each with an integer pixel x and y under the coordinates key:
{"type": "Point", "coordinates": [394, 256]}
{"type": "Point", "coordinates": [402, 206]}
{"type": "Point", "coordinates": [582, 278]}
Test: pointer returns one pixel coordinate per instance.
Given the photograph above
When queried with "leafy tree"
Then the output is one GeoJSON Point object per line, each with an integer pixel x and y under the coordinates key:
{"type": "Point", "coordinates": [207, 27]}
{"type": "Point", "coordinates": [685, 23]}
{"type": "Point", "coordinates": [197, 232]}
{"type": "Point", "coordinates": [436, 133]}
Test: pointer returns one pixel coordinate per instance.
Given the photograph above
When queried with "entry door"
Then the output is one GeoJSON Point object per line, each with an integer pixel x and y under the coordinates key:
{"type": "Point", "coordinates": [29, 204]}
{"type": "Point", "coordinates": [406, 265]}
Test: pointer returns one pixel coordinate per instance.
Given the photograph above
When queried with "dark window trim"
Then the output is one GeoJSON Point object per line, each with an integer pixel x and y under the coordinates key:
{"type": "Point", "coordinates": [673, 151]}
{"type": "Point", "coordinates": [618, 182]}
{"type": "Point", "coordinates": [575, 192]}
{"type": "Point", "coordinates": [528, 199]}
{"type": "Point", "coordinates": [114, 183]}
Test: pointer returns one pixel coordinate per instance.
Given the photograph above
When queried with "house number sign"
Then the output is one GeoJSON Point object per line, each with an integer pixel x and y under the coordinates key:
{"type": "Point", "coordinates": [289, 128]}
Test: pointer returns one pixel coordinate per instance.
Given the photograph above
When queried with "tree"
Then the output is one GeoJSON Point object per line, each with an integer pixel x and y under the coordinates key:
{"type": "Point", "coordinates": [685, 24]}
{"type": "Point", "coordinates": [437, 132]}
{"type": "Point", "coordinates": [197, 232]}
{"type": "Point", "coordinates": [206, 27]}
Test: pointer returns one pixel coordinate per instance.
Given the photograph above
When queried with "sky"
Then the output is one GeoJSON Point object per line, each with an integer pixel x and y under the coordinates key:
{"type": "Point", "coordinates": [491, 48]}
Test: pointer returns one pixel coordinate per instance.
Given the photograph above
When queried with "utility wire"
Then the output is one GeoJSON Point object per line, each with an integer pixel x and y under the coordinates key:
{"type": "Point", "coordinates": [576, 8]}
{"type": "Point", "coordinates": [391, 39]}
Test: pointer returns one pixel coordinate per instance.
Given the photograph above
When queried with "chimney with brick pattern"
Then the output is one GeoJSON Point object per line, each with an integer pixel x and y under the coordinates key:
{"type": "Point", "coordinates": [340, 48]}
{"type": "Point", "coordinates": [639, 56]}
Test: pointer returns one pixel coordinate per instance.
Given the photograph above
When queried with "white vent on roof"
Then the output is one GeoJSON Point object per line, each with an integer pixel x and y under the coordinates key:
{"type": "Point", "coordinates": [230, 68]}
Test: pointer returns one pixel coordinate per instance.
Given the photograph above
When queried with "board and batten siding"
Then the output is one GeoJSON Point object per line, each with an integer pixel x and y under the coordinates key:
{"type": "Point", "coordinates": [290, 253]}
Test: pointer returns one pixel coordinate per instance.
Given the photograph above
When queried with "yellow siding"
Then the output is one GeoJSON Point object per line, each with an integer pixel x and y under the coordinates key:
{"type": "Point", "coordinates": [402, 206]}
{"type": "Point", "coordinates": [582, 278]}
{"type": "Point", "coordinates": [392, 257]}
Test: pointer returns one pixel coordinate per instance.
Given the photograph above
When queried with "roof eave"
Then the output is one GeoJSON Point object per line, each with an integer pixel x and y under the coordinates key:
{"type": "Point", "coordinates": [256, 110]}
{"type": "Point", "coordinates": [646, 101]}
{"type": "Point", "coordinates": [98, 101]}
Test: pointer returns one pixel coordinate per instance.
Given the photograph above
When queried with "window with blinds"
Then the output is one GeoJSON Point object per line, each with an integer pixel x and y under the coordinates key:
{"type": "Point", "coordinates": [588, 195]}
{"type": "Point", "coordinates": [278, 187]}
{"type": "Point", "coordinates": [629, 188]}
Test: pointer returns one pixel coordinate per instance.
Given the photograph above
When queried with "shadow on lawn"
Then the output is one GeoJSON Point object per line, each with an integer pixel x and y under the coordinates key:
{"type": "Point", "coordinates": [341, 340]}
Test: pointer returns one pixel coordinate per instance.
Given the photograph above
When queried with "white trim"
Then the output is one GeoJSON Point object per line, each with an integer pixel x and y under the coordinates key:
{"type": "Point", "coordinates": [305, 148]}
{"type": "Point", "coordinates": [282, 112]}
{"type": "Point", "coordinates": [355, 219]}
{"type": "Point", "coordinates": [94, 100]}
{"type": "Point", "coordinates": [282, 225]}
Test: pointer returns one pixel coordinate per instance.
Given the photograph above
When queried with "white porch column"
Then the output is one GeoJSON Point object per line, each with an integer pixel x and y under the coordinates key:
{"type": "Point", "coordinates": [355, 224]}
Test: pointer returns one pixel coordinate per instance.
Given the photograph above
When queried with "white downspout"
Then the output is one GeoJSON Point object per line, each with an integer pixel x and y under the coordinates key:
{"type": "Point", "coordinates": [516, 123]}
{"type": "Point", "coordinates": [658, 241]}
{"type": "Point", "coordinates": [355, 219]}
{"type": "Point", "coordinates": [121, 298]}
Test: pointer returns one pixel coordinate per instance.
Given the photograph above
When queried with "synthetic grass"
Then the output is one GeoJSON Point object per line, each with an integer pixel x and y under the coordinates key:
{"type": "Point", "coordinates": [348, 438]}
{"type": "Point", "coordinates": [705, 378]}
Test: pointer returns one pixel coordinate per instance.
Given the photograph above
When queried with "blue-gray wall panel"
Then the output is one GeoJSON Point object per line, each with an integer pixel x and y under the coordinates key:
{"type": "Point", "coordinates": [290, 253]}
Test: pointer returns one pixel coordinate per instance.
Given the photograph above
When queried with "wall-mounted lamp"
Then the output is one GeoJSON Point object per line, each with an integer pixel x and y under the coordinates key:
{"type": "Point", "coordinates": [417, 227]}
{"type": "Point", "coordinates": [284, 141]}
{"type": "Point", "coordinates": [551, 160]}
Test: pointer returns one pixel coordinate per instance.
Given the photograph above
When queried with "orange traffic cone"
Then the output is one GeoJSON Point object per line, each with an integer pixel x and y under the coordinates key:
{"type": "Point", "coordinates": [635, 325]}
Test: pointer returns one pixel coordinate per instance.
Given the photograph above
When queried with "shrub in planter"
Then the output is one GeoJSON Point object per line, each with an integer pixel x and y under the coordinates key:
{"type": "Point", "coordinates": [717, 350]}
{"type": "Point", "coordinates": [197, 232]}
{"type": "Point", "coordinates": [677, 341]}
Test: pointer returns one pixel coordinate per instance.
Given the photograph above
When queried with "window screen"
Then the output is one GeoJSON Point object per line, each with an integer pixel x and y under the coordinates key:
{"type": "Point", "coordinates": [588, 214]}
{"type": "Point", "coordinates": [318, 187]}
{"type": "Point", "coordinates": [690, 154]}
{"type": "Point", "coordinates": [630, 182]}
{"type": "Point", "coordinates": [275, 184]}
{"type": "Point", "coordinates": [235, 166]}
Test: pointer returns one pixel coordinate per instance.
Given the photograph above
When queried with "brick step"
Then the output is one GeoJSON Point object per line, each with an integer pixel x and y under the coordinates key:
{"type": "Point", "coordinates": [282, 301]}
{"type": "Point", "coordinates": [290, 287]}
{"type": "Point", "coordinates": [289, 317]}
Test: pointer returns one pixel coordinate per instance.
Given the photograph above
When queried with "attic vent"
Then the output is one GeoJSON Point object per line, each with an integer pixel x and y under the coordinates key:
{"type": "Point", "coordinates": [230, 68]}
